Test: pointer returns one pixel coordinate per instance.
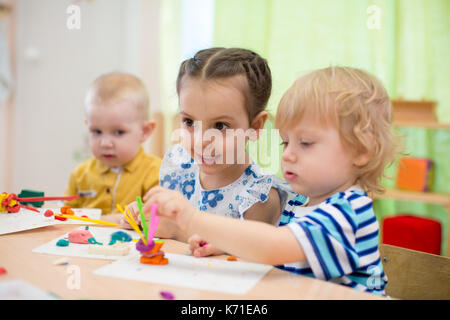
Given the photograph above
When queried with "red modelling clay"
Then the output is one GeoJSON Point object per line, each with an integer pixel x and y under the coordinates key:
{"type": "Point", "coordinates": [48, 213]}
{"type": "Point", "coordinates": [2, 271]}
{"type": "Point", "coordinates": [60, 218]}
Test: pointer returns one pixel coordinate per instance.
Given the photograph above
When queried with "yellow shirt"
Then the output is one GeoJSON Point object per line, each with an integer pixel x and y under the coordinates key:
{"type": "Point", "coordinates": [102, 187]}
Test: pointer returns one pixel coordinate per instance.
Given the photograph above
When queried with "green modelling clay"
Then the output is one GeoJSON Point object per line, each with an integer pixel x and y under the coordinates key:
{"type": "Point", "coordinates": [93, 241]}
{"type": "Point", "coordinates": [62, 243]}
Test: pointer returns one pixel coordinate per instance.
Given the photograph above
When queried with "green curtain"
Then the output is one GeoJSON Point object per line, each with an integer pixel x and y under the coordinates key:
{"type": "Point", "coordinates": [405, 43]}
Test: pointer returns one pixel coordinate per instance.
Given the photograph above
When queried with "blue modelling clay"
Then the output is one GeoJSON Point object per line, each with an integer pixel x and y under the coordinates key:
{"type": "Point", "coordinates": [120, 236]}
{"type": "Point", "coordinates": [62, 243]}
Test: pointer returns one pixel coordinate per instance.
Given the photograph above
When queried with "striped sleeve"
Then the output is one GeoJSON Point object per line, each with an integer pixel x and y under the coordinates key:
{"type": "Point", "coordinates": [328, 236]}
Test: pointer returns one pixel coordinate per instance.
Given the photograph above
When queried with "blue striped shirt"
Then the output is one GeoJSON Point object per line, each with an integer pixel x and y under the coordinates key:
{"type": "Point", "coordinates": [340, 240]}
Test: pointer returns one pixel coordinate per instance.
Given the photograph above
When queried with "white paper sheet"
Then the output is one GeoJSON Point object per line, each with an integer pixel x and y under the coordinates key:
{"type": "Point", "coordinates": [234, 277]}
{"type": "Point", "coordinates": [27, 219]}
{"type": "Point", "coordinates": [100, 234]}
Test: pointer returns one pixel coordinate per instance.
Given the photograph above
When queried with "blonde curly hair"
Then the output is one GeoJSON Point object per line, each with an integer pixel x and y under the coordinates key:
{"type": "Point", "coordinates": [357, 104]}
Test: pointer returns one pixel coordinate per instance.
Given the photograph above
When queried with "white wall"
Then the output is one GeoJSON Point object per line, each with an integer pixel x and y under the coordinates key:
{"type": "Point", "coordinates": [48, 114]}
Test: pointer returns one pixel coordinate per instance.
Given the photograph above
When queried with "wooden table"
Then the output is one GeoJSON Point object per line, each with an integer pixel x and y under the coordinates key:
{"type": "Point", "coordinates": [21, 263]}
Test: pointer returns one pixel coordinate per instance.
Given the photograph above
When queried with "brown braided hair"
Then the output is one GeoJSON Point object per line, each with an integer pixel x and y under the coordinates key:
{"type": "Point", "coordinates": [220, 63]}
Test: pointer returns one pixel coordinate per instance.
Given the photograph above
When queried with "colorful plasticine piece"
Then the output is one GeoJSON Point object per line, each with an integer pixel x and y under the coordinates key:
{"type": "Point", "coordinates": [119, 236]}
{"type": "Point", "coordinates": [25, 193]}
{"type": "Point", "coordinates": [116, 249]}
{"type": "Point", "coordinates": [48, 213]}
{"type": "Point", "coordinates": [67, 210]}
{"type": "Point", "coordinates": [151, 253]}
{"type": "Point", "coordinates": [62, 243]}
{"type": "Point", "coordinates": [9, 203]}
{"type": "Point", "coordinates": [80, 236]}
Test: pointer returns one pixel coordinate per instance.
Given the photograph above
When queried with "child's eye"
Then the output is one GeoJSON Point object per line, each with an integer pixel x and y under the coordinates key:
{"type": "Point", "coordinates": [306, 144]}
{"type": "Point", "coordinates": [188, 122]}
{"type": "Point", "coordinates": [96, 132]}
{"type": "Point", "coordinates": [284, 144]}
{"type": "Point", "coordinates": [221, 126]}
{"type": "Point", "coordinates": [119, 132]}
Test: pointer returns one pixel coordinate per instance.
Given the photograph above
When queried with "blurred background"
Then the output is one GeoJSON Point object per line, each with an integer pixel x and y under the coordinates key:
{"type": "Point", "coordinates": [50, 50]}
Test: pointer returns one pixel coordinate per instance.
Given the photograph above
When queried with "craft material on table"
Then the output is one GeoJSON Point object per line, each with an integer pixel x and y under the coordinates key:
{"type": "Point", "coordinates": [151, 252]}
{"type": "Point", "coordinates": [116, 249]}
{"type": "Point", "coordinates": [129, 217]}
{"type": "Point", "coordinates": [80, 236]}
{"type": "Point", "coordinates": [26, 220]}
{"type": "Point", "coordinates": [100, 234]}
{"type": "Point", "coordinates": [9, 202]}
{"type": "Point", "coordinates": [65, 216]}
{"type": "Point", "coordinates": [234, 277]}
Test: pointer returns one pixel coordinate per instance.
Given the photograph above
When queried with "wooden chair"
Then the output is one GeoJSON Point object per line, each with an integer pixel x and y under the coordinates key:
{"type": "Point", "coordinates": [414, 274]}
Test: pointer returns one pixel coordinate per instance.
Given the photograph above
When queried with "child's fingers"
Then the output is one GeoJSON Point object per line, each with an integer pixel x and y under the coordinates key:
{"type": "Point", "coordinates": [167, 205]}
{"type": "Point", "coordinates": [198, 246]}
{"type": "Point", "coordinates": [195, 241]}
{"type": "Point", "coordinates": [133, 209]}
{"type": "Point", "coordinates": [204, 251]}
{"type": "Point", "coordinates": [124, 223]}
{"type": "Point", "coordinates": [152, 192]}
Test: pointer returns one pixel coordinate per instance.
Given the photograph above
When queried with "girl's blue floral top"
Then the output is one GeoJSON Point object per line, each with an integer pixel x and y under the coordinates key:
{"type": "Point", "coordinates": [180, 172]}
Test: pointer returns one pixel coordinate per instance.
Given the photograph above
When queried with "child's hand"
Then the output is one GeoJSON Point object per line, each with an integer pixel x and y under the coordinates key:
{"type": "Point", "coordinates": [133, 209]}
{"type": "Point", "coordinates": [171, 204]}
{"type": "Point", "coordinates": [200, 248]}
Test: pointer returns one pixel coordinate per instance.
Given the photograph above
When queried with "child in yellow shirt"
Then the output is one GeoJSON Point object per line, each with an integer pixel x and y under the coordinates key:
{"type": "Point", "coordinates": [116, 110]}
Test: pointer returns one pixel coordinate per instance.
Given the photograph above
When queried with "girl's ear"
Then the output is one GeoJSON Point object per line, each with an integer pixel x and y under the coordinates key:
{"type": "Point", "coordinates": [258, 122]}
{"type": "Point", "coordinates": [147, 129]}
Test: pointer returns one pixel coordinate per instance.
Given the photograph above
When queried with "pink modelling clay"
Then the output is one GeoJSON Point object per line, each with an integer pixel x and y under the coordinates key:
{"type": "Point", "coordinates": [80, 236]}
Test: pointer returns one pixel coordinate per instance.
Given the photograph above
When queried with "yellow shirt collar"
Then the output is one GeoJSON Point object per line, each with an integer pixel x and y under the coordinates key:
{"type": "Point", "coordinates": [130, 166]}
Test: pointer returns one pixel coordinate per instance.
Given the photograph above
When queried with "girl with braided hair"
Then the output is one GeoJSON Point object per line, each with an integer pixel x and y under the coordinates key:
{"type": "Point", "coordinates": [222, 94]}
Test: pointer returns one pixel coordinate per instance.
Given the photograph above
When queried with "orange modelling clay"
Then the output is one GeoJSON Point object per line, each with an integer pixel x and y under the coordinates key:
{"type": "Point", "coordinates": [151, 253]}
{"type": "Point", "coordinates": [65, 210]}
{"type": "Point", "coordinates": [150, 250]}
{"type": "Point", "coordinates": [232, 258]}
{"type": "Point", "coordinates": [154, 256]}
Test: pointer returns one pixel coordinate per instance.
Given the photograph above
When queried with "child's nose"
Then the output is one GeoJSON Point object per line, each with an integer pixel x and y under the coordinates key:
{"type": "Point", "coordinates": [203, 140]}
{"type": "Point", "coordinates": [288, 155]}
{"type": "Point", "coordinates": [106, 142]}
